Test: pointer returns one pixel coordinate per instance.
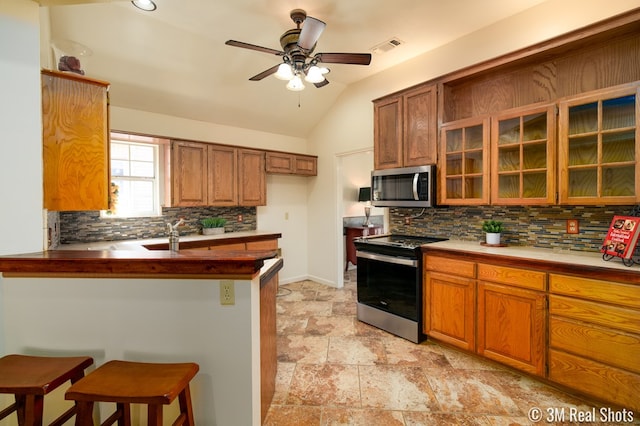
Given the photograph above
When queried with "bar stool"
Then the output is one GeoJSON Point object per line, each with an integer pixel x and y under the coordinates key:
{"type": "Point", "coordinates": [126, 383]}
{"type": "Point", "coordinates": [30, 378]}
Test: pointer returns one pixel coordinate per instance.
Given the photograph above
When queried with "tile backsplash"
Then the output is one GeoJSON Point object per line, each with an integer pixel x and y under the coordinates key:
{"type": "Point", "coordinates": [88, 226]}
{"type": "Point", "coordinates": [535, 226]}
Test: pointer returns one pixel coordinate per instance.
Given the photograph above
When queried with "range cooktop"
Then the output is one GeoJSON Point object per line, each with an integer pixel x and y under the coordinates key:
{"type": "Point", "coordinates": [394, 244]}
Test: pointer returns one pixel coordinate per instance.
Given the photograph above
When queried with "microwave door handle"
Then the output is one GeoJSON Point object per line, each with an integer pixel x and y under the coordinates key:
{"type": "Point", "coordinates": [415, 186]}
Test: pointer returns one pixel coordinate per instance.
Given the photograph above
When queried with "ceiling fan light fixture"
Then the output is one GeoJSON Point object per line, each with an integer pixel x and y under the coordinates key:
{"type": "Point", "coordinates": [146, 5]}
{"type": "Point", "coordinates": [295, 84]}
{"type": "Point", "coordinates": [284, 72]}
{"type": "Point", "coordinates": [314, 75]}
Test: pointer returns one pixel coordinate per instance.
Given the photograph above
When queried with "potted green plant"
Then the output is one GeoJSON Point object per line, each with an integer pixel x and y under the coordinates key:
{"type": "Point", "coordinates": [493, 230]}
{"type": "Point", "coordinates": [213, 225]}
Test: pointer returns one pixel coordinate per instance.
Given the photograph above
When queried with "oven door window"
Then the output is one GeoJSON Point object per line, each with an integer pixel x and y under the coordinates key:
{"type": "Point", "coordinates": [390, 287]}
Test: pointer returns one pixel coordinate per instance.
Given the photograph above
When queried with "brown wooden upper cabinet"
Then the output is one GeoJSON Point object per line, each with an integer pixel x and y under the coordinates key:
{"type": "Point", "coordinates": [523, 156]}
{"type": "Point", "coordinates": [406, 128]}
{"type": "Point", "coordinates": [555, 123]}
{"type": "Point", "coordinates": [75, 136]}
{"type": "Point", "coordinates": [599, 150]}
{"type": "Point", "coordinates": [464, 169]}
{"type": "Point", "coordinates": [204, 174]}
{"type": "Point", "coordinates": [291, 164]}
{"type": "Point", "coordinates": [252, 179]}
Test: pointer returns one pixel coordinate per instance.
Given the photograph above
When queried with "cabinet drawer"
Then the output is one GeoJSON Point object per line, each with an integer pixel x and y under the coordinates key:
{"type": "Point", "coordinates": [229, 247]}
{"type": "Point", "coordinates": [598, 343]}
{"type": "Point", "coordinates": [525, 278]}
{"type": "Point", "coordinates": [263, 245]}
{"type": "Point", "coordinates": [601, 291]}
{"type": "Point", "coordinates": [596, 313]}
{"type": "Point", "coordinates": [596, 379]}
{"type": "Point", "coordinates": [461, 268]}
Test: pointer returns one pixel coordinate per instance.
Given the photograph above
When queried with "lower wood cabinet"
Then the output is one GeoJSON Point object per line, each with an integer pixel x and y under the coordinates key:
{"type": "Point", "coordinates": [450, 301]}
{"type": "Point", "coordinates": [594, 337]}
{"type": "Point", "coordinates": [581, 333]}
{"type": "Point", "coordinates": [511, 326]}
{"type": "Point", "coordinates": [512, 316]}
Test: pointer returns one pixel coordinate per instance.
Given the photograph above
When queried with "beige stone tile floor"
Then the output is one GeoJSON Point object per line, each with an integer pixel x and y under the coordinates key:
{"type": "Point", "coordinates": [335, 370]}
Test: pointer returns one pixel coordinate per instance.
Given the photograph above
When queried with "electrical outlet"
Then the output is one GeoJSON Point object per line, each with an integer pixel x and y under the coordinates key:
{"type": "Point", "coordinates": [407, 221]}
{"type": "Point", "coordinates": [227, 292]}
{"type": "Point", "coordinates": [239, 218]}
{"type": "Point", "coordinates": [572, 226]}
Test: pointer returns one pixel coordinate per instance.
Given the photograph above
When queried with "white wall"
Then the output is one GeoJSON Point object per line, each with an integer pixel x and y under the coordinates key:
{"type": "Point", "coordinates": [21, 218]}
{"type": "Point", "coordinates": [354, 173]}
{"type": "Point", "coordinates": [349, 124]}
{"type": "Point", "coordinates": [286, 212]}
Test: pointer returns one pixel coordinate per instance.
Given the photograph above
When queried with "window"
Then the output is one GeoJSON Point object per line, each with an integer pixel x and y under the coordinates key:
{"type": "Point", "coordinates": [135, 176]}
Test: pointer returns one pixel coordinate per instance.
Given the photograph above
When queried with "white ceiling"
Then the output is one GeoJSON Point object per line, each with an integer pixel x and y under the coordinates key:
{"type": "Point", "coordinates": [174, 61]}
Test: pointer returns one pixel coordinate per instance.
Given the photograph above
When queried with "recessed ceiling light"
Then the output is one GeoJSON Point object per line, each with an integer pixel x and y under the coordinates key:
{"type": "Point", "coordinates": [146, 5]}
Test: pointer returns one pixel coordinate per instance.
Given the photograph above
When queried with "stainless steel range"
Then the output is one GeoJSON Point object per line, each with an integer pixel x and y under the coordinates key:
{"type": "Point", "coordinates": [390, 283]}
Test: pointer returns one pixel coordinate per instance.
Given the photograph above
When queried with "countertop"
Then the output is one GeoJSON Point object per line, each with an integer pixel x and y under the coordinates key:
{"type": "Point", "coordinates": [132, 259]}
{"type": "Point", "coordinates": [565, 261]}
{"type": "Point", "coordinates": [186, 241]}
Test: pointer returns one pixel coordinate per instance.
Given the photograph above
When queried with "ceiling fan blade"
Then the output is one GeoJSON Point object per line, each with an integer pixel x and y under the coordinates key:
{"type": "Point", "coordinates": [322, 83]}
{"type": "Point", "coordinates": [311, 30]}
{"type": "Point", "coordinates": [265, 73]}
{"type": "Point", "coordinates": [253, 47]}
{"type": "Point", "coordinates": [344, 58]}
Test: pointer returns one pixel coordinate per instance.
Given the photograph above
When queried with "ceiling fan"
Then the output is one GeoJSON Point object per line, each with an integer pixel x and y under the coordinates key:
{"type": "Point", "coordinates": [297, 48]}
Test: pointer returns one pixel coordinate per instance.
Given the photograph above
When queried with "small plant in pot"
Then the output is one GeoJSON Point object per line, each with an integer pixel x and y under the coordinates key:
{"type": "Point", "coordinates": [213, 225]}
{"type": "Point", "coordinates": [493, 230]}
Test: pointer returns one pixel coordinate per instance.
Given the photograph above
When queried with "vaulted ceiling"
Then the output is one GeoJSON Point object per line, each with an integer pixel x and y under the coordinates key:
{"type": "Point", "coordinates": [174, 60]}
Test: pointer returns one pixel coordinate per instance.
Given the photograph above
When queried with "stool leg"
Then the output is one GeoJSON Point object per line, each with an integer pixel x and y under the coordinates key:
{"type": "Point", "coordinates": [84, 415]}
{"type": "Point", "coordinates": [125, 416]}
{"type": "Point", "coordinates": [185, 405]}
{"type": "Point", "coordinates": [154, 415]}
{"type": "Point", "coordinates": [32, 407]}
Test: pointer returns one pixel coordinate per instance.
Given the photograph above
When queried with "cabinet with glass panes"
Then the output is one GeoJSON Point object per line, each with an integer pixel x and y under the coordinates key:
{"type": "Point", "coordinates": [465, 170]}
{"type": "Point", "coordinates": [523, 156]}
{"type": "Point", "coordinates": [598, 155]}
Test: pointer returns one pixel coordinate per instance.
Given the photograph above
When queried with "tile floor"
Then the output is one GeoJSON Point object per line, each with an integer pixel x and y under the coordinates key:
{"type": "Point", "coordinates": [335, 370]}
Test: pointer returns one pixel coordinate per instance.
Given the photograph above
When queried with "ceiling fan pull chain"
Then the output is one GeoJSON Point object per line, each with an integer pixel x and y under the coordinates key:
{"type": "Point", "coordinates": [298, 99]}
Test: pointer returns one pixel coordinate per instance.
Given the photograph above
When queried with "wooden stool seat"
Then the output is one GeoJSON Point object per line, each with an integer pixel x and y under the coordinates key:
{"type": "Point", "coordinates": [29, 378]}
{"type": "Point", "coordinates": [127, 382]}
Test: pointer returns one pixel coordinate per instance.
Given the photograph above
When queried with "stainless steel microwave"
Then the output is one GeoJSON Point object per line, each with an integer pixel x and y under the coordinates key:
{"type": "Point", "coordinates": [404, 187]}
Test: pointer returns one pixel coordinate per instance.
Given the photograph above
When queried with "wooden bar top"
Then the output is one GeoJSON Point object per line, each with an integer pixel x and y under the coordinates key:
{"type": "Point", "coordinates": [130, 263]}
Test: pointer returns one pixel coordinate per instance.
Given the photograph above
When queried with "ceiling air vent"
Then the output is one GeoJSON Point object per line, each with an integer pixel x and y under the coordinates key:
{"type": "Point", "coordinates": [386, 46]}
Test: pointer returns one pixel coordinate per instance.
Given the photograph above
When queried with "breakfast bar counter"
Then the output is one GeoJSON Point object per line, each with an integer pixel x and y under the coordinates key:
{"type": "Point", "coordinates": [120, 263]}
{"type": "Point", "coordinates": [212, 307]}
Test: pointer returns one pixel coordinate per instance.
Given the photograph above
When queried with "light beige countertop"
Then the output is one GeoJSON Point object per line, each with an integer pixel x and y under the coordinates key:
{"type": "Point", "coordinates": [552, 260]}
{"type": "Point", "coordinates": [140, 244]}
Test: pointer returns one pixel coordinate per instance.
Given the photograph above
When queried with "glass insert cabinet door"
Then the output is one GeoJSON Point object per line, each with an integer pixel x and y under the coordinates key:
{"type": "Point", "coordinates": [523, 156]}
{"type": "Point", "coordinates": [464, 172]}
{"type": "Point", "coordinates": [599, 152]}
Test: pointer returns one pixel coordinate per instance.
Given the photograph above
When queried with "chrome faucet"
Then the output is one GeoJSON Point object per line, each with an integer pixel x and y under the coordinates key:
{"type": "Point", "coordinates": [174, 235]}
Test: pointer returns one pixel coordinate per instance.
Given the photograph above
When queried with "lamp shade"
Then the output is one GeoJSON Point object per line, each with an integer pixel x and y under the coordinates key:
{"type": "Point", "coordinates": [364, 194]}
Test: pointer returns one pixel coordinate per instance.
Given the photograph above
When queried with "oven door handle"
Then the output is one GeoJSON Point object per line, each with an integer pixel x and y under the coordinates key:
{"type": "Point", "coordinates": [389, 259]}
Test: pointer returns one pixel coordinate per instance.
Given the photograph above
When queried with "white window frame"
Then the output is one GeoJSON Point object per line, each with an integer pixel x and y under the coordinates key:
{"type": "Point", "coordinates": [158, 180]}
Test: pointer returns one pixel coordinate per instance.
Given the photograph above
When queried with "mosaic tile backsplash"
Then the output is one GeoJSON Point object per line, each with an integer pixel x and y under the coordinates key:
{"type": "Point", "coordinates": [88, 226]}
{"type": "Point", "coordinates": [533, 226]}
